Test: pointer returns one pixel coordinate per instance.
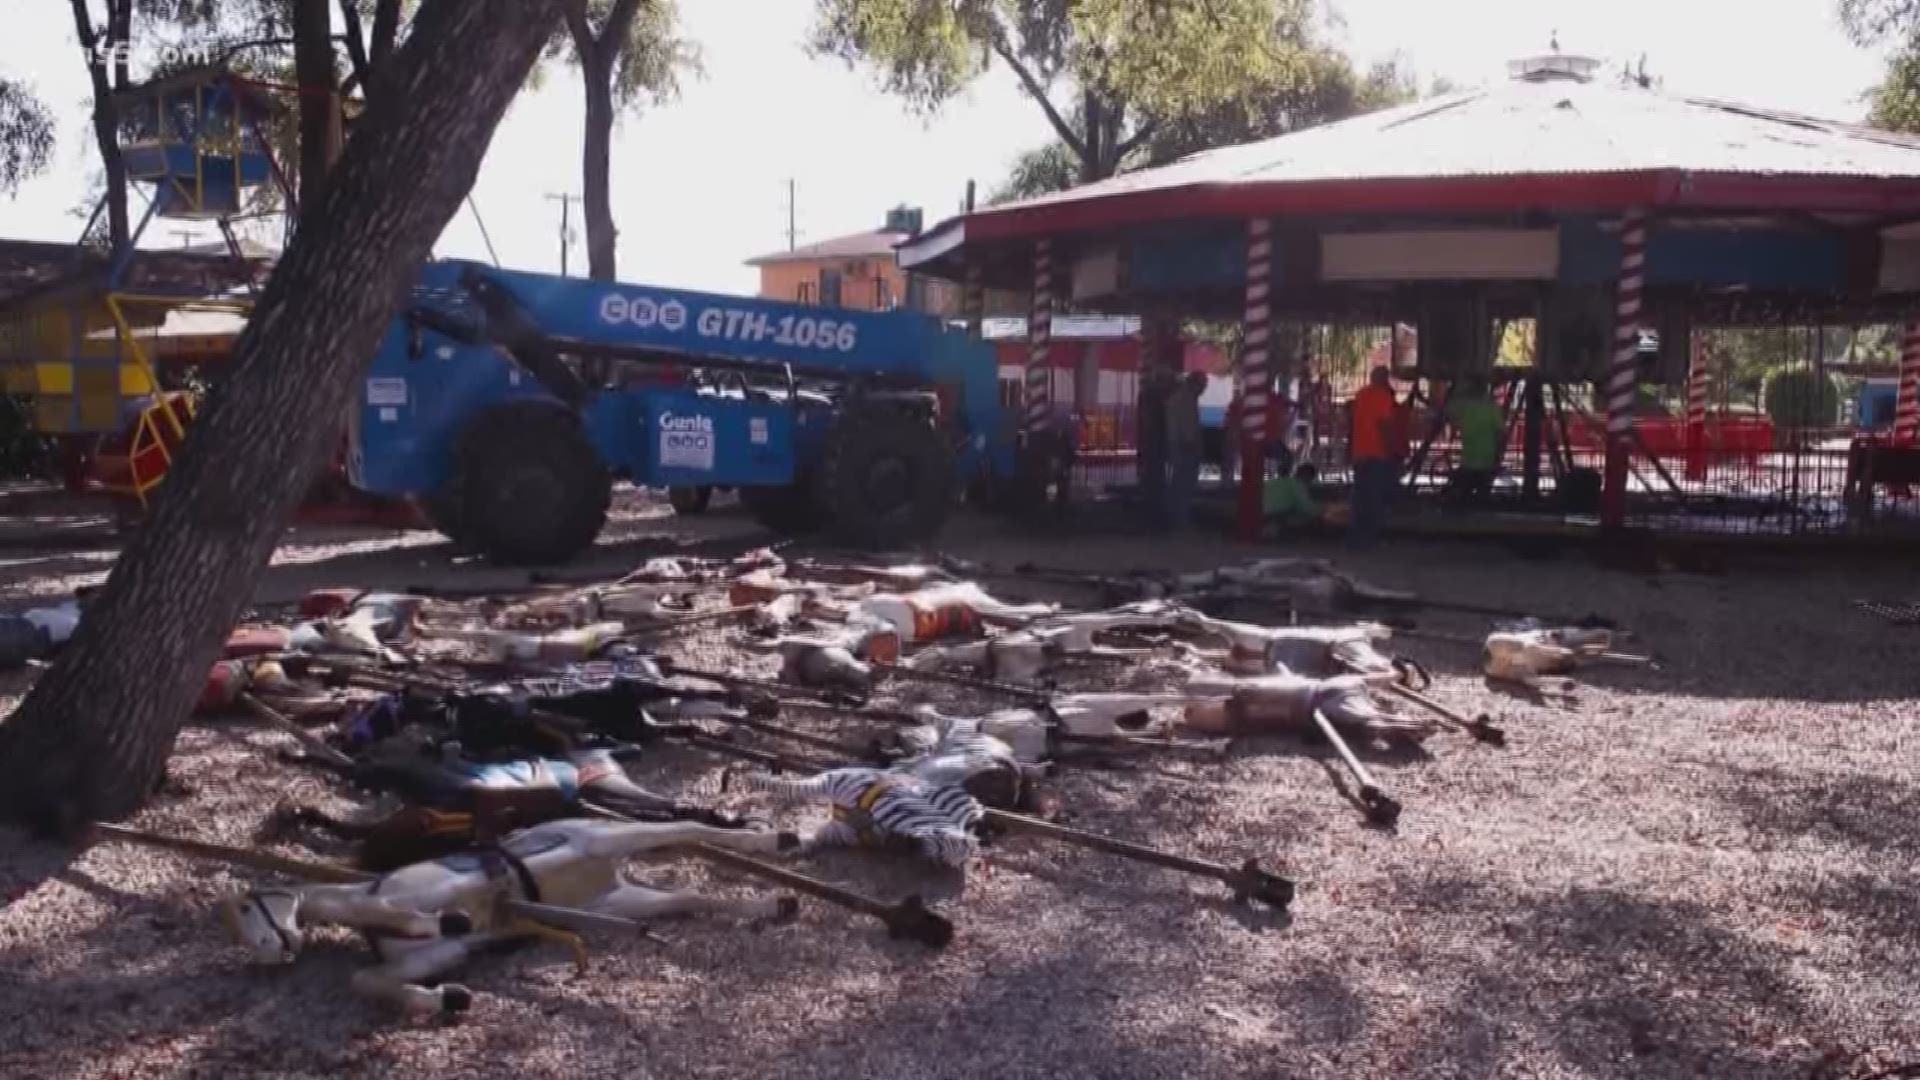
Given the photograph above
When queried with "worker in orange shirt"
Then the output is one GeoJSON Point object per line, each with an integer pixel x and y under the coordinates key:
{"type": "Point", "coordinates": [1376, 447]}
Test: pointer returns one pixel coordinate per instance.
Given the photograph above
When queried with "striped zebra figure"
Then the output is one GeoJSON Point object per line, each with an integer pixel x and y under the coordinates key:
{"type": "Point", "coordinates": [876, 806]}
{"type": "Point", "coordinates": [976, 755]}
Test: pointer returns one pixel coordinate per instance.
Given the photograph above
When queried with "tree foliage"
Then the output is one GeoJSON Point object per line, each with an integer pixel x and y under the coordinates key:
{"type": "Point", "coordinates": [1894, 104]}
{"type": "Point", "coordinates": [628, 53]}
{"type": "Point", "coordinates": [1107, 74]}
{"type": "Point", "coordinates": [26, 135]}
{"type": "Point", "coordinates": [1321, 87]}
{"type": "Point", "coordinates": [648, 56]}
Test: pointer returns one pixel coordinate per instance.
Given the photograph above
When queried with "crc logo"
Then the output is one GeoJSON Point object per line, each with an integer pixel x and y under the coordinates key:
{"type": "Point", "coordinates": [643, 312]}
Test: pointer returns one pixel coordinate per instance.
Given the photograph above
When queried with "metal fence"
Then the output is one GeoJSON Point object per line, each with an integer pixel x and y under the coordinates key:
{"type": "Point", "coordinates": [1795, 447]}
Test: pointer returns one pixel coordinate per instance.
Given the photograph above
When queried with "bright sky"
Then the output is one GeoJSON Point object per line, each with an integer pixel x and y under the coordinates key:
{"type": "Point", "coordinates": [701, 185]}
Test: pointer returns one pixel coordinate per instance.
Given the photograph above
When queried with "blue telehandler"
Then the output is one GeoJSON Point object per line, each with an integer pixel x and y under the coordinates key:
{"type": "Point", "coordinates": [507, 403]}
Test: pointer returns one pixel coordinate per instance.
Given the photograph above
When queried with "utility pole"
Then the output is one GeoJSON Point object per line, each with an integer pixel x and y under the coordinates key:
{"type": "Point", "coordinates": [566, 228]}
{"type": "Point", "coordinates": [793, 204]}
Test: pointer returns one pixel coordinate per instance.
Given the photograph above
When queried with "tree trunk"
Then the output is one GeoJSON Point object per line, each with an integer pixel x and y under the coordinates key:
{"type": "Point", "coordinates": [106, 116]}
{"type": "Point", "coordinates": [106, 127]}
{"type": "Point", "coordinates": [597, 166]}
{"type": "Point", "coordinates": [92, 739]}
{"type": "Point", "coordinates": [319, 106]}
{"type": "Point", "coordinates": [1093, 164]}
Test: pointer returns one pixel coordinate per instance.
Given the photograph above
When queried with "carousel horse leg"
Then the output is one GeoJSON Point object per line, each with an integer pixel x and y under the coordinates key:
{"type": "Point", "coordinates": [354, 906]}
{"type": "Point", "coordinates": [619, 841]}
{"type": "Point", "coordinates": [831, 835]}
{"type": "Point", "coordinates": [397, 982]}
{"type": "Point", "coordinates": [634, 901]}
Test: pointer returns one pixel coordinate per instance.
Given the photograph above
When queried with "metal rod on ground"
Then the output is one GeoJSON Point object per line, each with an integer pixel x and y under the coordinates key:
{"type": "Point", "coordinates": [326, 873]}
{"type": "Point", "coordinates": [818, 742]}
{"type": "Point", "coordinates": [1381, 808]}
{"type": "Point", "coordinates": [1025, 693]}
{"type": "Point", "coordinates": [909, 918]}
{"type": "Point", "coordinates": [311, 742]}
{"type": "Point", "coordinates": [1248, 881]}
{"type": "Point", "coordinates": [1480, 727]}
{"type": "Point", "coordinates": [567, 918]}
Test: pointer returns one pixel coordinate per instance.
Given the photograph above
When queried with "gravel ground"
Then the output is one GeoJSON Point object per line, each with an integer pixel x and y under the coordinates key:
{"type": "Point", "coordinates": [1708, 870]}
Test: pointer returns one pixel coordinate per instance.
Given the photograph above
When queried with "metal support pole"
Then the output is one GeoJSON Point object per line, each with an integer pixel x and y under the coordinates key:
{"type": "Point", "coordinates": [1622, 374]}
{"type": "Point", "coordinates": [1906, 411]}
{"type": "Point", "coordinates": [1536, 430]}
{"type": "Point", "coordinates": [1038, 412]}
{"type": "Point", "coordinates": [1255, 379]}
{"type": "Point", "coordinates": [1696, 468]}
{"type": "Point", "coordinates": [974, 299]}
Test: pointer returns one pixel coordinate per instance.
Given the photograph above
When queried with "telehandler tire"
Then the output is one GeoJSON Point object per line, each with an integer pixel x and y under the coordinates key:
{"type": "Point", "coordinates": [443, 511]}
{"type": "Point", "coordinates": [886, 477]}
{"type": "Point", "coordinates": [789, 510]}
{"type": "Point", "coordinates": [690, 500]}
{"type": "Point", "coordinates": [533, 491]}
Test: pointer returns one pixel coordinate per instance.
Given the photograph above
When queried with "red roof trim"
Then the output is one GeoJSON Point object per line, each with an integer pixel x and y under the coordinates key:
{"type": "Point", "coordinates": [1573, 191]}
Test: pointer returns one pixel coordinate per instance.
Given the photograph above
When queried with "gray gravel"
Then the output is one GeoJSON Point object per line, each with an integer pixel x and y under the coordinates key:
{"type": "Point", "coordinates": [1709, 870]}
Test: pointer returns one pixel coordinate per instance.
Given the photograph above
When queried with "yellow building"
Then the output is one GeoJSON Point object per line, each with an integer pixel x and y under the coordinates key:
{"type": "Point", "coordinates": [857, 271]}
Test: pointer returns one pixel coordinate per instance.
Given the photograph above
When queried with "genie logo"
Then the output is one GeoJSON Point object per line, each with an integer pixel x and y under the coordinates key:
{"type": "Point", "coordinates": [643, 312]}
{"type": "Point", "coordinates": [686, 442]}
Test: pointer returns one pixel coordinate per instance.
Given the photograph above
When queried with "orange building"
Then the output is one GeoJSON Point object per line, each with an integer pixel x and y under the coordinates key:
{"type": "Point", "coordinates": [857, 271]}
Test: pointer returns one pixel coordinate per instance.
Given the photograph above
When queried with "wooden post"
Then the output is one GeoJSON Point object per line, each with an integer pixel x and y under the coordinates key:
{"type": "Point", "coordinates": [1906, 408]}
{"type": "Point", "coordinates": [1622, 374]}
{"type": "Point", "coordinates": [1697, 407]}
{"type": "Point", "coordinates": [1254, 377]}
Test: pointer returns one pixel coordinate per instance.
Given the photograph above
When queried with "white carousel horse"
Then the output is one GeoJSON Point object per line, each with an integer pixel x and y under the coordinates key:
{"type": "Point", "coordinates": [428, 918]}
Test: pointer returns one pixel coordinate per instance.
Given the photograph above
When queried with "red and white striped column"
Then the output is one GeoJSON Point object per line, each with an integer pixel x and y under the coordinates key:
{"type": "Point", "coordinates": [1255, 376]}
{"type": "Point", "coordinates": [1622, 374]}
{"type": "Point", "coordinates": [1906, 404]}
{"type": "Point", "coordinates": [1697, 407]}
{"type": "Point", "coordinates": [1039, 399]}
{"type": "Point", "coordinates": [973, 299]}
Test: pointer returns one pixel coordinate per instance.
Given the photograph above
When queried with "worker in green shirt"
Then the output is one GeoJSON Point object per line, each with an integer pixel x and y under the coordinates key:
{"type": "Point", "coordinates": [1289, 501]}
{"type": "Point", "coordinates": [1482, 429]}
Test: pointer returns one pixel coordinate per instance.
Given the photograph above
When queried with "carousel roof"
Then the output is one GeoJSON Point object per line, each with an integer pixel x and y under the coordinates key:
{"type": "Point", "coordinates": [1546, 141]}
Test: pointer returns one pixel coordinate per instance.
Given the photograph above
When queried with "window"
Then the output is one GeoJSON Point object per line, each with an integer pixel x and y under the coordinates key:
{"type": "Point", "coordinates": [804, 292]}
{"type": "Point", "coordinates": [882, 294]}
{"type": "Point", "coordinates": [830, 287]}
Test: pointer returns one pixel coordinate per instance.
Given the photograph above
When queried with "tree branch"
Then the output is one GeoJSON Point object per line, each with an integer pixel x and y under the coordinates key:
{"type": "Point", "coordinates": [356, 42]}
{"type": "Point", "coordinates": [1037, 92]}
{"type": "Point", "coordinates": [619, 22]}
{"type": "Point", "coordinates": [1134, 141]}
{"type": "Point", "coordinates": [386, 29]}
{"type": "Point", "coordinates": [83, 25]}
{"type": "Point", "coordinates": [120, 35]}
{"type": "Point", "coordinates": [584, 41]}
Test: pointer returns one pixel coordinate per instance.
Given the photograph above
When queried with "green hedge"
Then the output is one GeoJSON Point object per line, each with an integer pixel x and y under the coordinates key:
{"type": "Point", "coordinates": [1800, 397]}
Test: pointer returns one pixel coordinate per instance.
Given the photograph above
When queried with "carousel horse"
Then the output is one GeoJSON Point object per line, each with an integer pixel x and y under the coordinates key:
{"type": "Point", "coordinates": [1281, 702]}
{"type": "Point", "coordinates": [426, 919]}
{"type": "Point", "coordinates": [1540, 658]}
{"type": "Point", "coordinates": [1327, 650]}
